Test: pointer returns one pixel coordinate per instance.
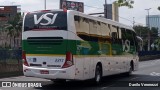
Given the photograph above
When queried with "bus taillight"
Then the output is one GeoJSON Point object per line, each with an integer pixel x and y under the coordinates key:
{"type": "Point", "coordinates": [69, 60]}
{"type": "Point", "coordinates": [24, 58]}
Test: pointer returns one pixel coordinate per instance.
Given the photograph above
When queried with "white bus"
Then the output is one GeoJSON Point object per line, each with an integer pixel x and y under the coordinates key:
{"type": "Point", "coordinates": [69, 45]}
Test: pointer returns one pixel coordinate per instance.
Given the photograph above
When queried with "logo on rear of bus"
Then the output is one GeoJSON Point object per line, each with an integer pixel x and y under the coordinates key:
{"type": "Point", "coordinates": [50, 20]}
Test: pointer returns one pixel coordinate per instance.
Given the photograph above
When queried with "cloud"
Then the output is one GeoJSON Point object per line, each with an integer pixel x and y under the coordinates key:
{"type": "Point", "coordinates": [139, 11]}
{"type": "Point", "coordinates": [126, 15]}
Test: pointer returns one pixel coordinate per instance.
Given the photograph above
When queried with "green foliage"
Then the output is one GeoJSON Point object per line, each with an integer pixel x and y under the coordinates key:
{"type": "Point", "coordinates": [13, 27]}
{"type": "Point", "coordinates": [157, 44]}
{"type": "Point", "coordinates": [127, 3]}
{"type": "Point", "coordinates": [143, 33]}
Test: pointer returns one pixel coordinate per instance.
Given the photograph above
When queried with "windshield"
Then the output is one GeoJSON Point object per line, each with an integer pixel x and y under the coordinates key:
{"type": "Point", "coordinates": [46, 21]}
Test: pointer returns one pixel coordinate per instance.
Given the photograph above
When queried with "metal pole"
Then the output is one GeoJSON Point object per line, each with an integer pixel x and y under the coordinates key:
{"type": "Point", "coordinates": [133, 21]}
{"type": "Point", "coordinates": [148, 30]}
{"type": "Point", "coordinates": [45, 4]}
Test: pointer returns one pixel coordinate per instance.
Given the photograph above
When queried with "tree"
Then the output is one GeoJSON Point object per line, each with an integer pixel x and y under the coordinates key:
{"type": "Point", "coordinates": [127, 3]}
{"type": "Point", "coordinates": [157, 44]}
{"type": "Point", "coordinates": [143, 33]}
{"type": "Point", "coordinates": [13, 28]}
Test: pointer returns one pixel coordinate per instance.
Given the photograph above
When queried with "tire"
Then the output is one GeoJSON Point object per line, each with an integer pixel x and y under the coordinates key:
{"type": "Point", "coordinates": [130, 70]}
{"type": "Point", "coordinates": [98, 75]}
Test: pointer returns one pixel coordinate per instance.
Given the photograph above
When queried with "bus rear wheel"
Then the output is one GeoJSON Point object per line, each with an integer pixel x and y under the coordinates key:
{"type": "Point", "coordinates": [98, 74]}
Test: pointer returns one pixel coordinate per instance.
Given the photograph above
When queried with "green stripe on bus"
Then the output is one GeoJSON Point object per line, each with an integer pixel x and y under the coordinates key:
{"type": "Point", "coordinates": [77, 47]}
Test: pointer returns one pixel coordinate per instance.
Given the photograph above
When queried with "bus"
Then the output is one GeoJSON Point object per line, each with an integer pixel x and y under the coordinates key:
{"type": "Point", "coordinates": [70, 45]}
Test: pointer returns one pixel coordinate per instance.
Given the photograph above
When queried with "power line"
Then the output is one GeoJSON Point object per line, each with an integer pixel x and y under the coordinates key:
{"type": "Point", "coordinates": [93, 7]}
{"type": "Point", "coordinates": [109, 11]}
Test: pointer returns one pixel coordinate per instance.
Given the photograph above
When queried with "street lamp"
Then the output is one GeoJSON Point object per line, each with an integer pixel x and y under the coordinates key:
{"type": "Point", "coordinates": [45, 4]}
{"type": "Point", "coordinates": [148, 30]}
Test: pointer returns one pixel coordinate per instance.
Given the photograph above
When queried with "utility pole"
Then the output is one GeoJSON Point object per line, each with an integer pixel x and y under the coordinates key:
{"type": "Point", "coordinates": [148, 30]}
{"type": "Point", "coordinates": [105, 9]}
{"type": "Point", "coordinates": [44, 4]}
{"type": "Point", "coordinates": [133, 21]}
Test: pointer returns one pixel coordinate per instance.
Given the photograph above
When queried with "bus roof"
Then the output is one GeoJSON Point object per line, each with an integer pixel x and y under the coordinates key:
{"type": "Point", "coordinates": [108, 21]}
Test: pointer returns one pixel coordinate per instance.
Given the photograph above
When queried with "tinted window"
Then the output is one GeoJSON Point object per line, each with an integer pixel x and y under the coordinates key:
{"type": "Point", "coordinates": [129, 36]}
{"type": "Point", "coordinates": [46, 21]}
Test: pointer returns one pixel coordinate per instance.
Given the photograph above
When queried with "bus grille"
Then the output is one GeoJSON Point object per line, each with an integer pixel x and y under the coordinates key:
{"type": "Point", "coordinates": [45, 40]}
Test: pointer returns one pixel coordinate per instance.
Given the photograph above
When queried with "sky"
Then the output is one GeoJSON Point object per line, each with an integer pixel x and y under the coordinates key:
{"type": "Point", "coordinates": [92, 6]}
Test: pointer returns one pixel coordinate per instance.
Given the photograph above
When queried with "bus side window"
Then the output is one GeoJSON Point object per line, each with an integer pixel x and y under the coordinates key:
{"type": "Point", "coordinates": [123, 34]}
{"type": "Point", "coordinates": [105, 32]}
{"type": "Point", "coordinates": [129, 36]}
{"type": "Point", "coordinates": [114, 34]}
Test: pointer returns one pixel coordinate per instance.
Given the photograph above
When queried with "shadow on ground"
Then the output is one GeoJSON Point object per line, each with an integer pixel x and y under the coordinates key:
{"type": "Point", "coordinates": [119, 80]}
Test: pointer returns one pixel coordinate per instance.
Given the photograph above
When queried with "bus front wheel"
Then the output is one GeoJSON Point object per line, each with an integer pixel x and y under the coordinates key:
{"type": "Point", "coordinates": [131, 68]}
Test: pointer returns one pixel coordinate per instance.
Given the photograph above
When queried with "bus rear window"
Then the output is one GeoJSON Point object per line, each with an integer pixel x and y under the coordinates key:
{"type": "Point", "coordinates": [46, 21]}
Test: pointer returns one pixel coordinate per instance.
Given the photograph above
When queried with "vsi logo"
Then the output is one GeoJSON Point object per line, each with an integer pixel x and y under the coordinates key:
{"type": "Point", "coordinates": [46, 17]}
{"type": "Point", "coordinates": [126, 45]}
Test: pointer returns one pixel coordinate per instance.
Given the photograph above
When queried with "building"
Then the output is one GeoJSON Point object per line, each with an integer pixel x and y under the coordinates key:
{"type": "Point", "coordinates": [154, 21]}
{"type": "Point", "coordinates": [113, 12]}
{"type": "Point", "coordinates": [8, 13]}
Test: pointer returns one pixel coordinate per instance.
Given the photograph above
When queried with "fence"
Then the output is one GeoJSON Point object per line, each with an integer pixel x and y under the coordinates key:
{"type": "Point", "coordinates": [149, 55]}
{"type": "Point", "coordinates": [144, 53]}
{"type": "Point", "coordinates": [10, 62]}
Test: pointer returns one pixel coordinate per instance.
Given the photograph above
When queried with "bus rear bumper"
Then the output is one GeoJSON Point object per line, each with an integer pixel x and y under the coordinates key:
{"type": "Point", "coordinates": [65, 73]}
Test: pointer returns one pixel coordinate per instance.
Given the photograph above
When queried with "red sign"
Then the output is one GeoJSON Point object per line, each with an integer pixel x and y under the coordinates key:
{"type": "Point", "coordinates": [44, 71]}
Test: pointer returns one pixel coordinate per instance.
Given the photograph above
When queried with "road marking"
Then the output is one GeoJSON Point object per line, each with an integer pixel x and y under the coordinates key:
{"type": "Point", "coordinates": [134, 78]}
{"type": "Point", "coordinates": [108, 86]}
{"type": "Point", "coordinates": [104, 87]}
{"type": "Point", "coordinates": [155, 74]}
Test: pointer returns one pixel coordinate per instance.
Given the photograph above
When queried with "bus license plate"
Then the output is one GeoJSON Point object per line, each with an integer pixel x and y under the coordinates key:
{"type": "Point", "coordinates": [44, 71]}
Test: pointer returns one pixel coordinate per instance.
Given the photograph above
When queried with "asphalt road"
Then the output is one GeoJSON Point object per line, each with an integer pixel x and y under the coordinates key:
{"type": "Point", "coordinates": [149, 72]}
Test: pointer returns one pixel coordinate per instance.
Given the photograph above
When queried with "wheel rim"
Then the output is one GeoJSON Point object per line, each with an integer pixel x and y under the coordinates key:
{"type": "Point", "coordinates": [130, 70]}
{"type": "Point", "coordinates": [98, 75]}
{"type": "Point", "coordinates": [98, 78]}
